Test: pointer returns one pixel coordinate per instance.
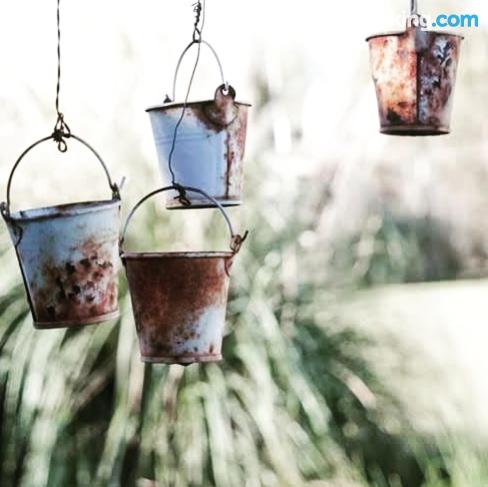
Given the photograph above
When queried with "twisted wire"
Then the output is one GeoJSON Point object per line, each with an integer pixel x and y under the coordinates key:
{"type": "Point", "coordinates": [198, 10]}
{"type": "Point", "coordinates": [61, 128]}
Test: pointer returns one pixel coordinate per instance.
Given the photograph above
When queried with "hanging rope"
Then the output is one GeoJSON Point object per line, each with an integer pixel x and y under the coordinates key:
{"type": "Point", "coordinates": [198, 26]}
{"type": "Point", "coordinates": [61, 129]}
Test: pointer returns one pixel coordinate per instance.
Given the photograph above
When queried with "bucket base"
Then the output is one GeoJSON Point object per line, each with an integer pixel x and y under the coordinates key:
{"type": "Point", "coordinates": [201, 204]}
{"type": "Point", "coordinates": [186, 360]}
{"type": "Point", "coordinates": [75, 324]}
{"type": "Point", "coordinates": [414, 130]}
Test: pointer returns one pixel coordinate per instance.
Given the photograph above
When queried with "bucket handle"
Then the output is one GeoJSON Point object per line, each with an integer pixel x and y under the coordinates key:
{"type": "Point", "coordinates": [5, 206]}
{"type": "Point", "coordinates": [184, 53]}
{"type": "Point", "coordinates": [236, 239]}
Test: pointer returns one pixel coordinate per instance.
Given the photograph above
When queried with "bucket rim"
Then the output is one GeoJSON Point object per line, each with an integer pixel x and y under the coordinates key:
{"type": "Point", "coordinates": [403, 32]}
{"type": "Point", "coordinates": [177, 104]}
{"type": "Point", "coordinates": [415, 129]}
{"type": "Point", "coordinates": [63, 211]}
{"type": "Point", "coordinates": [187, 359]}
{"type": "Point", "coordinates": [176, 255]}
{"type": "Point", "coordinates": [95, 320]}
{"type": "Point", "coordinates": [202, 204]}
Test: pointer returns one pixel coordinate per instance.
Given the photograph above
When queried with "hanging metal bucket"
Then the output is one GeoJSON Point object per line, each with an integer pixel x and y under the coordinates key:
{"type": "Point", "coordinates": [211, 139]}
{"type": "Point", "coordinates": [68, 256]}
{"type": "Point", "coordinates": [414, 72]}
{"type": "Point", "coordinates": [180, 299]}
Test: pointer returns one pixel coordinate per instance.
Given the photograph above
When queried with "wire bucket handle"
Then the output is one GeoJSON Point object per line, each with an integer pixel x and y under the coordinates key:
{"type": "Point", "coordinates": [236, 239]}
{"type": "Point", "coordinates": [226, 87]}
{"type": "Point", "coordinates": [5, 206]}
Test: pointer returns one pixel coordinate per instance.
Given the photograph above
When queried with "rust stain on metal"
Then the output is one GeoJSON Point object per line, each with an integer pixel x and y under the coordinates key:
{"type": "Point", "coordinates": [236, 144]}
{"type": "Point", "coordinates": [179, 304]}
{"type": "Point", "coordinates": [211, 146]}
{"type": "Point", "coordinates": [77, 290]}
{"type": "Point", "coordinates": [415, 74]}
{"type": "Point", "coordinates": [231, 118]}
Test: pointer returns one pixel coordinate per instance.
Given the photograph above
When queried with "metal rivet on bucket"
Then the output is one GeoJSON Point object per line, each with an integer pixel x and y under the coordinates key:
{"type": "Point", "coordinates": [180, 299]}
{"type": "Point", "coordinates": [68, 254]}
{"type": "Point", "coordinates": [211, 138]}
{"type": "Point", "coordinates": [414, 72]}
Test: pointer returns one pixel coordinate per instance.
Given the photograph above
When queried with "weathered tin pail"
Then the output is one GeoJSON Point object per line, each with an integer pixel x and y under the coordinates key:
{"type": "Point", "coordinates": [180, 299]}
{"type": "Point", "coordinates": [209, 147]}
{"type": "Point", "coordinates": [68, 257]}
{"type": "Point", "coordinates": [415, 74]}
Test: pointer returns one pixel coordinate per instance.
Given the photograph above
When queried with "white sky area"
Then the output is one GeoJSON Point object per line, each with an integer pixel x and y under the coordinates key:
{"type": "Point", "coordinates": [119, 57]}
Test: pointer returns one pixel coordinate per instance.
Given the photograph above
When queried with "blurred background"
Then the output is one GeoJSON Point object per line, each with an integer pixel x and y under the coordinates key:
{"type": "Point", "coordinates": [355, 352]}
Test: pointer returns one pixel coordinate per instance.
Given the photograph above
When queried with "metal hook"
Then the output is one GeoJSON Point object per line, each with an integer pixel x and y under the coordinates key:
{"type": "Point", "coordinates": [208, 110]}
{"type": "Point", "coordinates": [413, 7]}
{"type": "Point", "coordinates": [61, 130]}
{"type": "Point", "coordinates": [237, 242]}
{"type": "Point", "coordinates": [197, 36]}
{"type": "Point", "coordinates": [182, 198]}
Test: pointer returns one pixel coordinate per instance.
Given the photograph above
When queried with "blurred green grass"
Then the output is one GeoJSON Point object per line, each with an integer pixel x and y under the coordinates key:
{"type": "Point", "coordinates": [295, 400]}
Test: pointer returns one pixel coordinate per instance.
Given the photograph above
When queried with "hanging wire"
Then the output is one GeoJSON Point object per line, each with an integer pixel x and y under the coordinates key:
{"type": "Point", "coordinates": [199, 10]}
{"type": "Point", "coordinates": [61, 128]}
{"type": "Point", "coordinates": [197, 30]}
{"type": "Point", "coordinates": [413, 7]}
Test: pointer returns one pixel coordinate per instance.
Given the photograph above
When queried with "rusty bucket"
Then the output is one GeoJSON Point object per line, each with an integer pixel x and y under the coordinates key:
{"type": "Point", "coordinates": [414, 72]}
{"type": "Point", "coordinates": [180, 299]}
{"type": "Point", "coordinates": [68, 256]}
{"type": "Point", "coordinates": [201, 144]}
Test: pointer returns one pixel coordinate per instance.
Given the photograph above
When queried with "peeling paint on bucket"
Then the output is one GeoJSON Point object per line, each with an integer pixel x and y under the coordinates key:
{"type": "Point", "coordinates": [415, 74]}
{"type": "Point", "coordinates": [69, 261]}
{"type": "Point", "coordinates": [179, 303]}
{"type": "Point", "coordinates": [210, 146]}
{"type": "Point", "coordinates": [180, 299]}
{"type": "Point", "coordinates": [68, 255]}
